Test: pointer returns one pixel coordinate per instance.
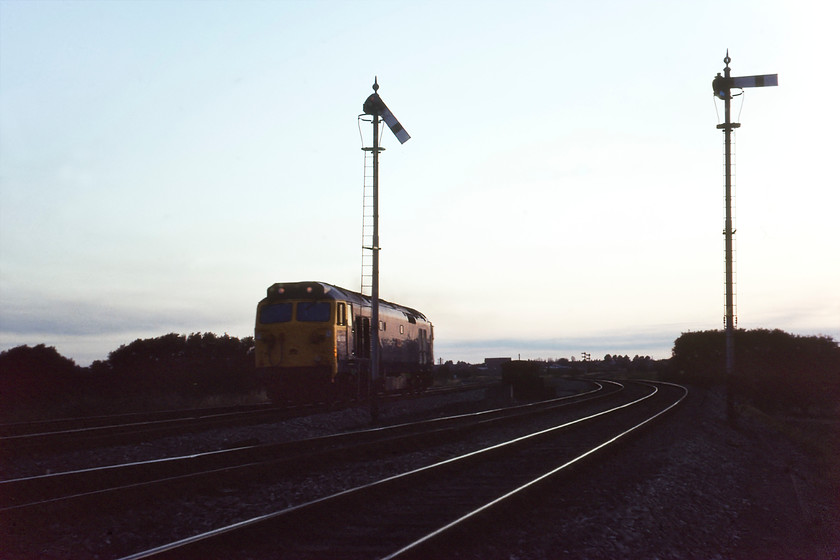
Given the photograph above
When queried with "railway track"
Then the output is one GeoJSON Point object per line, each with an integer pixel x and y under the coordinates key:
{"type": "Point", "coordinates": [413, 485]}
{"type": "Point", "coordinates": [127, 430]}
{"type": "Point", "coordinates": [88, 432]}
{"type": "Point", "coordinates": [248, 462]}
{"type": "Point", "coordinates": [116, 496]}
{"type": "Point", "coordinates": [419, 512]}
{"type": "Point", "coordinates": [92, 422]}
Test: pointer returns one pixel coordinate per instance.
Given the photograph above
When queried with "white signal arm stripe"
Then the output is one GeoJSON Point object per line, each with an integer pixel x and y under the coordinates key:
{"type": "Point", "coordinates": [394, 125]}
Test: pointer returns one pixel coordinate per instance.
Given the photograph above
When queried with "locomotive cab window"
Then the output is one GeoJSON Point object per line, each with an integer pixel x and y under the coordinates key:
{"type": "Point", "coordinates": [276, 313]}
{"type": "Point", "coordinates": [313, 311]}
{"type": "Point", "coordinates": [341, 314]}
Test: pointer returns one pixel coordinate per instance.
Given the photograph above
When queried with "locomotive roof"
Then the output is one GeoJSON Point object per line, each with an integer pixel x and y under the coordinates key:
{"type": "Point", "coordinates": [322, 290]}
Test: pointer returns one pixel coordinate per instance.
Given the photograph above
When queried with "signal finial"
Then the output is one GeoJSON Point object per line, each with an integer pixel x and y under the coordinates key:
{"type": "Point", "coordinates": [376, 85]}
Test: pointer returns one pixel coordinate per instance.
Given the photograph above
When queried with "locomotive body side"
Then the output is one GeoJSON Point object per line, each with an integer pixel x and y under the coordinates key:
{"type": "Point", "coordinates": [406, 339]}
{"type": "Point", "coordinates": [312, 341]}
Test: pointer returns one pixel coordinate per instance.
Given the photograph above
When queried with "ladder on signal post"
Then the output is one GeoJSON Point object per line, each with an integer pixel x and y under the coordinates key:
{"type": "Point", "coordinates": [368, 218]}
{"type": "Point", "coordinates": [375, 108]}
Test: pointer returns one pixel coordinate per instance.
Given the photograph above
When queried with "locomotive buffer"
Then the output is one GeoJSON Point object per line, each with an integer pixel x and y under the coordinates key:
{"type": "Point", "coordinates": [722, 87]}
{"type": "Point", "coordinates": [375, 107]}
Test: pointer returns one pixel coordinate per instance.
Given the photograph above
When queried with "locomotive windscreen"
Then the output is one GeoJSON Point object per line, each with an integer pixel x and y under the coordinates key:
{"type": "Point", "coordinates": [276, 313]}
{"type": "Point", "coordinates": [313, 311]}
{"type": "Point", "coordinates": [307, 311]}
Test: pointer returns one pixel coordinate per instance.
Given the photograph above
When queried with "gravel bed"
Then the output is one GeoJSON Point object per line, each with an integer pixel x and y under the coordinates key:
{"type": "Point", "coordinates": [691, 487]}
{"type": "Point", "coordinates": [275, 432]}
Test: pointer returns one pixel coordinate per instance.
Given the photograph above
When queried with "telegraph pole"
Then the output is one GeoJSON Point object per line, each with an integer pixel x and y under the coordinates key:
{"type": "Point", "coordinates": [722, 87]}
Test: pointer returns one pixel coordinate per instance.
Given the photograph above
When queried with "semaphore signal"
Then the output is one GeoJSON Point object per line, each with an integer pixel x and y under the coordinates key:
{"type": "Point", "coordinates": [722, 87]}
{"type": "Point", "coordinates": [375, 107]}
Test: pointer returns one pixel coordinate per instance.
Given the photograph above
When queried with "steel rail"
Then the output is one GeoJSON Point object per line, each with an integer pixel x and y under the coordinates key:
{"type": "Point", "coordinates": [204, 539]}
{"type": "Point", "coordinates": [68, 432]}
{"type": "Point", "coordinates": [87, 483]}
{"type": "Point", "coordinates": [87, 422]}
{"type": "Point", "coordinates": [438, 532]}
{"type": "Point", "coordinates": [86, 436]}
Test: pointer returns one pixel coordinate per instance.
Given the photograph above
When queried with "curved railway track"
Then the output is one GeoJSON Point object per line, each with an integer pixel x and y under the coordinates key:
{"type": "Point", "coordinates": [415, 513]}
{"type": "Point", "coordinates": [408, 509]}
{"type": "Point", "coordinates": [34, 493]}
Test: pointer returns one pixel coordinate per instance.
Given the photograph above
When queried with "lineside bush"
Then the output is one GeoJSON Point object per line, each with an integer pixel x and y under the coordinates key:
{"type": "Point", "coordinates": [774, 370]}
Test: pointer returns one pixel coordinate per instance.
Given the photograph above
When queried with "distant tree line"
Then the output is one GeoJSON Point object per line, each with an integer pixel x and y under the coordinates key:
{"type": "Point", "coordinates": [636, 364]}
{"type": "Point", "coordinates": [198, 363]}
{"type": "Point", "coordinates": [188, 366]}
{"type": "Point", "coordinates": [772, 369]}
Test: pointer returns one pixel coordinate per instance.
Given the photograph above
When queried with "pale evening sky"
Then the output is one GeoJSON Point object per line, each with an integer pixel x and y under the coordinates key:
{"type": "Point", "coordinates": [163, 162]}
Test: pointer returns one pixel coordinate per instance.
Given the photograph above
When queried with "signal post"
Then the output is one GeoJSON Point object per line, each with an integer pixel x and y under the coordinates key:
{"type": "Point", "coordinates": [722, 87]}
{"type": "Point", "coordinates": [375, 107]}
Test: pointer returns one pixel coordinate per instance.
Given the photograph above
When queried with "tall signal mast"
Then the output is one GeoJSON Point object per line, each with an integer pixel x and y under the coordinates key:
{"type": "Point", "coordinates": [722, 87]}
{"type": "Point", "coordinates": [375, 107]}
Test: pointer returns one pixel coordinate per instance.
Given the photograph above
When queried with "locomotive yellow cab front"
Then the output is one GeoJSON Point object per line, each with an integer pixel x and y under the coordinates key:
{"type": "Point", "coordinates": [296, 334]}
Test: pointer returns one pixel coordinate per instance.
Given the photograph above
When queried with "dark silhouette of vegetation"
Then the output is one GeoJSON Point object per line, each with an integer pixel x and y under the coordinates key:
{"type": "Point", "coordinates": [197, 364]}
{"type": "Point", "coordinates": [38, 359]}
{"type": "Point", "coordinates": [172, 368]}
{"type": "Point", "coordinates": [636, 364]}
{"type": "Point", "coordinates": [32, 374]}
{"type": "Point", "coordinates": [773, 370]}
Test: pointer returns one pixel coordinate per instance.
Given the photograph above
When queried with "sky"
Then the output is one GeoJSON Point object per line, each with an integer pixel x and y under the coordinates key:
{"type": "Point", "coordinates": [163, 162]}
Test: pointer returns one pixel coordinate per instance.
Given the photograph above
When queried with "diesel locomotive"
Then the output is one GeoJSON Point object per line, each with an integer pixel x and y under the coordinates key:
{"type": "Point", "coordinates": [313, 341]}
